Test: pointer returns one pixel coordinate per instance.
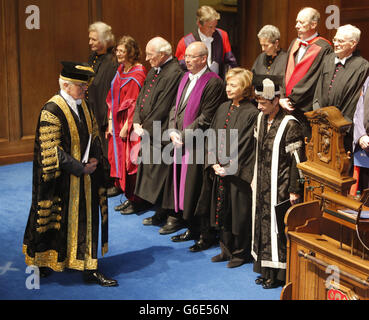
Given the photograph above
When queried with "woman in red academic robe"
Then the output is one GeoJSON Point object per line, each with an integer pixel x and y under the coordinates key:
{"type": "Point", "coordinates": [121, 101]}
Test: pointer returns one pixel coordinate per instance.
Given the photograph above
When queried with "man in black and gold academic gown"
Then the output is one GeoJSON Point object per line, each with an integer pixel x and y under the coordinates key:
{"type": "Point", "coordinates": [150, 120]}
{"type": "Point", "coordinates": [304, 59]}
{"type": "Point", "coordinates": [342, 76]}
{"type": "Point", "coordinates": [199, 95]}
{"type": "Point", "coordinates": [67, 191]}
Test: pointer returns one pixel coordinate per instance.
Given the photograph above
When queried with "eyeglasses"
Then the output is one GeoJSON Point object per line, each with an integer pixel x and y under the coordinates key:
{"type": "Point", "coordinates": [190, 57]}
{"type": "Point", "coordinates": [340, 41]}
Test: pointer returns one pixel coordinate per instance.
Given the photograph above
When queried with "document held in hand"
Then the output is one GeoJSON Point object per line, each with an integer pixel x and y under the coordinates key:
{"type": "Point", "coordinates": [87, 152]}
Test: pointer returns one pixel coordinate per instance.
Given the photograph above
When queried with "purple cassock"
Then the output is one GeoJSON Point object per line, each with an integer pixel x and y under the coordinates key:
{"type": "Point", "coordinates": [191, 112]}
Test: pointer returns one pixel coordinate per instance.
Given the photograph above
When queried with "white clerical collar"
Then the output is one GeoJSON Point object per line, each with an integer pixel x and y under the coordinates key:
{"type": "Point", "coordinates": [310, 38]}
{"type": "Point", "coordinates": [71, 102]}
{"type": "Point", "coordinates": [205, 38]}
{"type": "Point", "coordinates": [343, 60]}
{"type": "Point", "coordinates": [197, 75]}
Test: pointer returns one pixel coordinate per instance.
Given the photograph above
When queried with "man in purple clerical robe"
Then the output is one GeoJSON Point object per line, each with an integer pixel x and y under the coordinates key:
{"type": "Point", "coordinates": [199, 95]}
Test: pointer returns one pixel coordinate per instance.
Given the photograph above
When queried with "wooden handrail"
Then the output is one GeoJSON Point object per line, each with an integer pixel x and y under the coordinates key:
{"type": "Point", "coordinates": [319, 262]}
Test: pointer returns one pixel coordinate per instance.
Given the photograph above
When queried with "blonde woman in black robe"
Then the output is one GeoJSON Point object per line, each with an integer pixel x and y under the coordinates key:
{"type": "Point", "coordinates": [228, 170]}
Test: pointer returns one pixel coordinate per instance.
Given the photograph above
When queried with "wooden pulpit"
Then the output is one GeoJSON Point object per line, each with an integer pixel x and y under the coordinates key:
{"type": "Point", "coordinates": [327, 234]}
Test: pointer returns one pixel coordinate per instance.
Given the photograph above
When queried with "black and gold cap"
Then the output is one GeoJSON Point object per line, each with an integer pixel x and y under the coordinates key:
{"type": "Point", "coordinates": [76, 72]}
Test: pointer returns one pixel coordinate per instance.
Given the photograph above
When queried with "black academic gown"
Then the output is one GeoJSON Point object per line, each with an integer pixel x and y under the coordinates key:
{"type": "Point", "coordinates": [306, 77]}
{"type": "Point", "coordinates": [269, 242]}
{"type": "Point", "coordinates": [105, 67]}
{"type": "Point", "coordinates": [267, 65]}
{"type": "Point", "coordinates": [303, 92]}
{"type": "Point", "coordinates": [154, 103]}
{"type": "Point", "coordinates": [62, 228]}
{"type": "Point", "coordinates": [229, 198]}
{"type": "Point", "coordinates": [212, 96]}
{"type": "Point", "coordinates": [342, 88]}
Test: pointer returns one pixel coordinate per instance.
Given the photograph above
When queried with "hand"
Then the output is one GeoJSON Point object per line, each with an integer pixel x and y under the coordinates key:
{"type": "Point", "coordinates": [91, 166]}
{"type": "Point", "coordinates": [176, 139]}
{"type": "Point", "coordinates": [107, 134]}
{"type": "Point", "coordinates": [253, 185]}
{"type": "Point", "coordinates": [364, 143]}
{"type": "Point", "coordinates": [219, 170]}
{"type": "Point", "coordinates": [286, 104]}
{"type": "Point", "coordinates": [109, 131]}
{"type": "Point", "coordinates": [294, 198]}
{"type": "Point", "coordinates": [123, 133]}
{"type": "Point", "coordinates": [137, 128]}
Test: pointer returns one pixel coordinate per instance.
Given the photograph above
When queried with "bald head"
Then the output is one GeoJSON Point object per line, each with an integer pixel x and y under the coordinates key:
{"type": "Point", "coordinates": [196, 56]}
{"type": "Point", "coordinates": [307, 22]}
{"type": "Point", "coordinates": [158, 50]}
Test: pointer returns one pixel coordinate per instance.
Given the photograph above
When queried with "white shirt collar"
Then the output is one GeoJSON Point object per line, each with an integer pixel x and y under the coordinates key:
{"type": "Point", "coordinates": [71, 102]}
{"type": "Point", "coordinates": [197, 75]}
{"type": "Point", "coordinates": [343, 60]}
{"type": "Point", "coordinates": [204, 37]}
{"type": "Point", "coordinates": [310, 38]}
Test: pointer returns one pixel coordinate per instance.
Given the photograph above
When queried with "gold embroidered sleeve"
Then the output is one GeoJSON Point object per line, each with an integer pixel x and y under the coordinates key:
{"type": "Point", "coordinates": [50, 140]}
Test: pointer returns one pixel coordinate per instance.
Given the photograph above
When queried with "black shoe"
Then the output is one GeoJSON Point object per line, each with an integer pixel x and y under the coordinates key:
{"type": "Point", "coordinates": [113, 191]}
{"type": "Point", "coordinates": [186, 236]}
{"type": "Point", "coordinates": [201, 245]}
{"type": "Point", "coordinates": [260, 280]}
{"type": "Point", "coordinates": [173, 224]}
{"type": "Point", "coordinates": [122, 206]}
{"type": "Point", "coordinates": [135, 208]}
{"type": "Point", "coordinates": [270, 284]}
{"type": "Point", "coordinates": [235, 262]}
{"type": "Point", "coordinates": [98, 278]}
{"type": "Point", "coordinates": [45, 272]}
{"type": "Point", "coordinates": [219, 258]}
{"type": "Point", "coordinates": [154, 221]}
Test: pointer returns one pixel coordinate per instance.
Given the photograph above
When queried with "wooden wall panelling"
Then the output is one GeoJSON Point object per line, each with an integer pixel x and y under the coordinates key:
{"type": "Point", "coordinates": [32, 64]}
{"type": "Point", "coordinates": [144, 20]}
{"type": "Point", "coordinates": [11, 145]}
{"type": "Point", "coordinates": [357, 13]}
{"type": "Point", "coordinates": [62, 35]}
{"type": "Point", "coordinates": [4, 127]}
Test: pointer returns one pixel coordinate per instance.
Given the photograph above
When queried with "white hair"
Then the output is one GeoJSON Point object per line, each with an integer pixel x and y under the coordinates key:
{"type": "Point", "coordinates": [104, 33]}
{"type": "Point", "coordinates": [62, 82]}
{"type": "Point", "coordinates": [353, 32]}
{"type": "Point", "coordinates": [161, 45]}
{"type": "Point", "coordinates": [270, 33]}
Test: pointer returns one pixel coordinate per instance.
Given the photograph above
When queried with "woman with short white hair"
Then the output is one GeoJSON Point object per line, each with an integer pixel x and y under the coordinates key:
{"type": "Point", "coordinates": [273, 59]}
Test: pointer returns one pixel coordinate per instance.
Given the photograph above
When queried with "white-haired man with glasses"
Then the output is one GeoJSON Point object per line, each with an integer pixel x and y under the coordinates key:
{"type": "Point", "coordinates": [342, 76]}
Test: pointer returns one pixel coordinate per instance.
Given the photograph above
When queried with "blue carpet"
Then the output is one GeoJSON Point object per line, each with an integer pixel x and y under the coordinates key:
{"type": "Point", "coordinates": [147, 265]}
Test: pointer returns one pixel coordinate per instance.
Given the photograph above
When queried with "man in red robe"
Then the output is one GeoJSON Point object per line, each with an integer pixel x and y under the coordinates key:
{"type": "Point", "coordinates": [305, 56]}
{"type": "Point", "coordinates": [220, 56]}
